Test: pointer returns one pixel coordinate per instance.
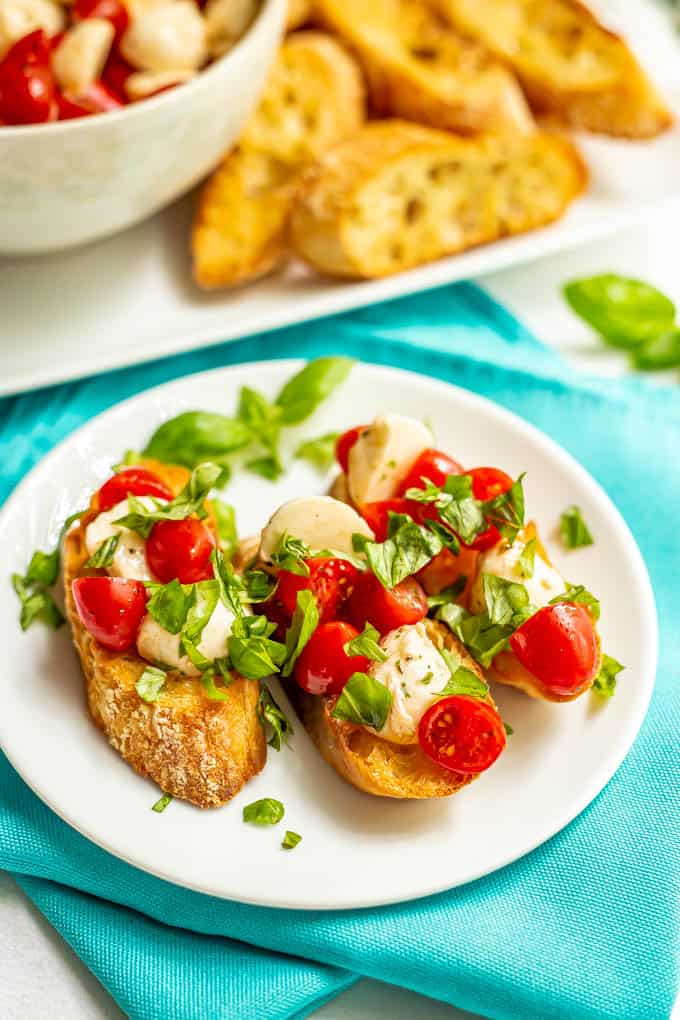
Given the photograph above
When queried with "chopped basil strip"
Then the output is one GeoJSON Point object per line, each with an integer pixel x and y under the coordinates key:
{"type": "Point", "coordinates": [367, 644]}
{"type": "Point", "coordinates": [504, 599]}
{"type": "Point", "coordinates": [129, 457]}
{"type": "Point", "coordinates": [449, 594]}
{"type": "Point", "coordinates": [36, 604]}
{"type": "Point", "coordinates": [252, 653]}
{"type": "Point", "coordinates": [271, 714]}
{"type": "Point", "coordinates": [320, 451]}
{"type": "Point", "coordinates": [508, 729]}
{"type": "Point", "coordinates": [573, 529]}
{"type": "Point", "coordinates": [624, 311]}
{"type": "Point", "coordinates": [232, 589]}
{"type": "Point", "coordinates": [302, 394]}
{"type": "Point", "coordinates": [151, 683]}
{"type": "Point", "coordinates": [290, 840]}
{"type": "Point", "coordinates": [364, 700]}
{"type": "Point", "coordinates": [103, 554]}
{"type": "Point", "coordinates": [462, 679]}
{"type": "Point", "coordinates": [658, 354]}
{"type": "Point", "coordinates": [267, 811]}
{"type": "Point", "coordinates": [212, 691]}
{"type": "Point", "coordinates": [225, 518]}
{"type": "Point", "coordinates": [268, 467]}
{"type": "Point", "coordinates": [407, 549]}
{"type": "Point", "coordinates": [527, 559]}
{"type": "Point", "coordinates": [605, 681]}
{"type": "Point", "coordinates": [161, 804]}
{"type": "Point", "coordinates": [203, 598]}
{"type": "Point", "coordinates": [190, 501]}
{"type": "Point", "coordinates": [304, 623]}
{"type": "Point", "coordinates": [506, 511]}
{"type": "Point", "coordinates": [290, 554]}
{"type": "Point", "coordinates": [196, 436]}
{"type": "Point", "coordinates": [457, 507]}
{"type": "Point", "coordinates": [577, 593]}
{"type": "Point", "coordinates": [482, 638]}
{"type": "Point", "coordinates": [259, 585]}
{"type": "Point", "coordinates": [169, 605]}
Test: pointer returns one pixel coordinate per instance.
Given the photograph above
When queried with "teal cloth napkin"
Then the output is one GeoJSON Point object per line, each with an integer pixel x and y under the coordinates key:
{"type": "Point", "coordinates": [583, 928]}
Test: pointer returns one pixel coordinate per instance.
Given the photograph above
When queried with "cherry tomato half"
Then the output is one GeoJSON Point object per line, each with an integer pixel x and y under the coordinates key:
{"type": "Point", "coordinates": [386, 608]}
{"type": "Point", "coordinates": [487, 483]}
{"type": "Point", "coordinates": [68, 110]}
{"type": "Point", "coordinates": [180, 549]}
{"type": "Point", "coordinates": [432, 465]}
{"type": "Point", "coordinates": [110, 10]}
{"type": "Point", "coordinates": [345, 444]}
{"type": "Point", "coordinates": [99, 98]}
{"type": "Point", "coordinates": [558, 645]}
{"type": "Point", "coordinates": [116, 72]}
{"type": "Point", "coordinates": [135, 481]}
{"type": "Point", "coordinates": [377, 514]}
{"type": "Point", "coordinates": [462, 734]}
{"type": "Point", "coordinates": [324, 667]}
{"type": "Point", "coordinates": [111, 609]}
{"type": "Point", "coordinates": [330, 581]}
{"type": "Point", "coordinates": [27, 87]}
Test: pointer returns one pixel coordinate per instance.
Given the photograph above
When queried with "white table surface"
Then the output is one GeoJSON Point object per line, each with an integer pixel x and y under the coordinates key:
{"type": "Point", "coordinates": [39, 975]}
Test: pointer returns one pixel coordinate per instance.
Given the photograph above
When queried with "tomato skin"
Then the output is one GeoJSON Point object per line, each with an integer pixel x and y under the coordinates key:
{"type": "Point", "coordinates": [27, 87]}
{"type": "Point", "coordinates": [558, 645]}
{"type": "Point", "coordinates": [377, 514]}
{"type": "Point", "coordinates": [330, 580]}
{"type": "Point", "coordinates": [386, 608]}
{"type": "Point", "coordinates": [487, 483]}
{"type": "Point", "coordinates": [135, 481]}
{"type": "Point", "coordinates": [111, 609]}
{"type": "Point", "coordinates": [110, 10]}
{"type": "Point", "coordinates": [68, 110]}
{"type": "Point", "coordinates": [345, 444]}
{"type": "Point", "coordinates": [180, 549]}
{"type": "Point", "coordinates": [116, 72]}
{"type": "Point", "coordinates": [99, 98]}
{"type": "Point", "coordinates": [324, 667]}
{"type": "Point", "coordinates": [434, 465]}
{"type": "Point", "coordinates": [462, 734]}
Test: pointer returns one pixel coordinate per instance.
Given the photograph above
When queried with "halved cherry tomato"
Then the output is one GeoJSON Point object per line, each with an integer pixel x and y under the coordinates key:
{"type": "Point", "coordinates": [446, 568]}
{"type": "Point", "coordinates": [68, 110]}
{"type": "Point", "coordinates": [27, 87]}
{"type": "Point", "coordinates": [487, 483]}
{"type": "Point", "coordinates": [99, 98]}
{"type": "Point", "coordinates": [134, 481]}
{"type": "Point", "coordinates": [330, 581]}
{"type": "Point", "coordinates": [110, 10]}
{"type": "Point", "coordinates": [386, 608]}
{"type": "Point", "coordinates": [432, 465]}
{"type": "Point", "coordinates": [377, 514]}
{"type": "Point", "coordinates": [111, 609]}
{"type": "Point", "coordinates": [462, 734]}
{"type": "Point", "coordinates": [116, 72]}
{"type": "Point", "coordinates": [324, 667]}
{"type": "Point", "coordinates": [558, 645]}
{"type": "Point", "coordinates": [180, 549]}
{"type": "Point", "coordinates": [345, 444]}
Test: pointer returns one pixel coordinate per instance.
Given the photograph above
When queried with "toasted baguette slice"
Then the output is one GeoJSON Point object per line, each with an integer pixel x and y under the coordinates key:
{"type": "Point", "coordinates": [299, 12]}
{"type": "Point", "coordinates": [396, 195]}
{"type": "Point", "coordinates": [418, 68]}
{"type": "Point", "coordinates": [568, 63]}
{"type": "Point", "coordinates": [314, 97]}
{"type": "Point", "coordinates": [367, 761]}
{"type": "Point", "coordinates": [200, 750]}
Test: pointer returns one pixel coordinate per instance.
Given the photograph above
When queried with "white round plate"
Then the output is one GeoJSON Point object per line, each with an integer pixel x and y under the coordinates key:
{"type": "Point", "coordinates": [356, 850]}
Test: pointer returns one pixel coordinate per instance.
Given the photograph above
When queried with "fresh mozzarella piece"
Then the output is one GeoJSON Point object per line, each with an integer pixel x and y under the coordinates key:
{"type": "Point", "coordinates": [140, 84]}
{"type": "Point", "coordinates": [169, 37]}
{"type": "Point", "coordinates": [79, 58]}
{"type": "Point", "coordinates": [155, 644]}
{"type": "Point", "coordinates": [321, 522]}
{"type": "Point", "coordinates": [414, 672]}
{"type": "Point", "coordinates": [129, 559]}
{"type": "Point", "coordinates": [382, 456]}
{"type": "Point", "coordinates": [503, 561]}
{"type": "Point", "coordinates": [19, 17]}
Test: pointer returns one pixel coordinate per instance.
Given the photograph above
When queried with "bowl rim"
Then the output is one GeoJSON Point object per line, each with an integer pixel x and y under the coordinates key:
{"type": "Point", "coordinates": [248, 39]}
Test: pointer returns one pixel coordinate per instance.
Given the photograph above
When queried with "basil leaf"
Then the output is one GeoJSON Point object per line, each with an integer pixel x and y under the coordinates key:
{"type": "Point", "coordinates": [266, 467]}
{"type": "Point", "coordinates": [527, 558]}
{"type": "Point", "coordinates": [151, 683]}
{"type": "Point", "coordinates": [605, 681]}
{"type": "Point", "coordinates": [129, 458]}
{"type": "Point", "coordinates": [624, 311]}
{"type": "Point", "coordinates": [270, 714]}
{"type": "Point", "coordinates": [202, 600]}
{"type": "Point", "coordinates": [36, 604]}
{"type": "Point", "coordinates": [573, 529]}
{"type": "Point", "coordinates": [161, 804]}
{"type": "Point", "coordinates": [212, 691]}
{"type": "Point", "coordinates": [482, 638]}
{"type": "Point", "coordinates": [168, 606]}
{"type": "Point", "coordinates": [43, 568]}
{"type": "Point", "coordinates": [103, 554]}
{"type": "Point", "coordinates": [320, 451]}
{"type": "Point", "coordinates": [231, 588]}
{"type": "Point", "coordinates": [302, 394]}
{"type": "Point", "coordinates": [448, 594]}
{"type": "Point", "coordinates": [259, 585]}
{"type": "Point", "coordinates": [290, 840]}
{"type": "Point", "coordinates": [506, 511]}
{"type": "Point", "coordinates": [257, 412]}
{"type": "Point", "coordinates": [403, 553]}
{"type": "Point", "coordinates": [304, 623]}
{"type": "Point", "coordinates": [191, 500]}
{"type": "Point", "coordinates": [503, 598]}
{"type": "Point", "coordinates": [196, 436]}
{"type": "Point", "coordinates": [364, 700]}
{"type": "Point", "coordinates": [225, 519]}
{"type": "Point", "coordinates": [290, 554]}
{"type": "Point", "coordinates": [366, 644]}
{"type": "Point", "coordinates": [577, 593]}
{"type": "Point", "coordinates": [253, 655]}
{"type": "Point", "coordinates": [267, 811]}
{"type": "Point", "coordinates": [508, 729]}
{"type": "Point", "coordinates": [659, 353]}
{"type": "Point", "coordinates": [463, 682]}
{"type": "Point", "coordinates": [456, 505]}
{"type": "Point", "coordinates": [444, 534]}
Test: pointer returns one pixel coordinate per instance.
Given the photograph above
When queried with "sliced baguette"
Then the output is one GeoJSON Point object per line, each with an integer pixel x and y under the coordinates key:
{"type": "Point", "coordinates": [314, 97]}
{"type": "Point", "coordinates": [396, 195]}
{"type": "Point", "coordinates": [568, 63]}
{"type": "Point", "coordinates": [417, 67]}
{"type": "Point", "coordinates": [299, 13]}
{"type": "Point", "coordinates": [199, 750]}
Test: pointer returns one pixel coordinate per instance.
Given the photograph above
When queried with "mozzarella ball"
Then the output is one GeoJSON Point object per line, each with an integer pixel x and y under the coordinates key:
{"type": "Point", "coordinates": [79, 59]}
{"type": "Point", "coordinates": [19, 17]}
{"type": "Point", "coordinates": [169, 37]}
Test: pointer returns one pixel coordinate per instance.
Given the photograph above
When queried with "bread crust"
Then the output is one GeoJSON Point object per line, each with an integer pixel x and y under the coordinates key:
{"type": "Point", "coordinates": [198, 750]}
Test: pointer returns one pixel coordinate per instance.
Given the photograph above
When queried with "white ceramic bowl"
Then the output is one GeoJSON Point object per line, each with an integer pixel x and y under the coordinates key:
{"type": "Point", "coordinates": [74, 181]}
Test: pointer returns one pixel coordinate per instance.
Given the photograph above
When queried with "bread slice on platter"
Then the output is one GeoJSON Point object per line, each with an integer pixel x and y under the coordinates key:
{"type": "Point", "coordinates": [299, 12]}
{"type": "Point", "coordinates": [369, 762]}
{"type": "Point", "coordinates": [200, 750]}
{"type": "Point", "coordinates": [397, 194]}
{"type": "Point", "coordinates": [314, 97]}
{"type": "Point", "coordinates": [567, 61]}
{"type": "Point", "coordinates": [417, 67]}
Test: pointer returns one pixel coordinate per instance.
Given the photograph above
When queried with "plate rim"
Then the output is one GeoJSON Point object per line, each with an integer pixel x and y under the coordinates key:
{"type": "Point", "coordinates": [648, 625]}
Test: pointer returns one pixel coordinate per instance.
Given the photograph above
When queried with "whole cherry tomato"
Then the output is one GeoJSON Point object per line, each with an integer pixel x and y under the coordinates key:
{"type": "Point", "coordinates": [487, 483]}
{"type": "Point", "coordinates": [180, 549]}
{"type": "Point", "coordinates": [27, 87]}
{"type": "Point", "coordinates": [558, 645]}
{"type": "Point", "coordinates": [324, 667]}
{"type": "Point", "coordinates": [134, 481]}
{"type": "Point", "coordinates": [68, 110]}
{"type": "Point", "coordinates": [434, 466]}
{"type": "Point", "coordinates": [462, 734]}
{"type": "Point", "coordinates": [377, 514]}
{"type": "Point", "coordinates": [386, 608]}
{"type": "Point", "coordinates": [111, 609]}
{"type": "Point", "coordinates": [330, 581]}
{"type": "Point", "coordinates": [345, 444]}
{"type": "Point", "coordinates": [110, 10]}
